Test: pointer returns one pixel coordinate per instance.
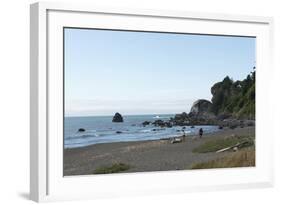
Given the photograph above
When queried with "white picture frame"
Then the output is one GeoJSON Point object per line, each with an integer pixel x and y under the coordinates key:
{"type": "Point", "coordinates": [46, 179]}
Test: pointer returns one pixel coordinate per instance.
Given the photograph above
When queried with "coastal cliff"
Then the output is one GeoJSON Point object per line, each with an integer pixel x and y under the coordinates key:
{"type": "Point", "coordinates": [234, 98]}
{"type": "Point", "coordinates": [232, 105]}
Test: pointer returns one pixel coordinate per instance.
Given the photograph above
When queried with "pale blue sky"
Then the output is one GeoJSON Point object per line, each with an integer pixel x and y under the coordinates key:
{"type": "Point", "coordinates": [147, 73]}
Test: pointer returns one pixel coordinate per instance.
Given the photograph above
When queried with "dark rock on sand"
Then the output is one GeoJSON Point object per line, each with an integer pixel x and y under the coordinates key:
{"type": "Point", "coordinates": [117, 118]}
{"type": "Point", "coordinates": [81, 130]}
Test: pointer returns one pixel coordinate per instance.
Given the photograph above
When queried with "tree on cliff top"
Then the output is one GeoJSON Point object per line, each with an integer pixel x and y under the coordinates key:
{"type": "Point", "coordinates": [236, 98]}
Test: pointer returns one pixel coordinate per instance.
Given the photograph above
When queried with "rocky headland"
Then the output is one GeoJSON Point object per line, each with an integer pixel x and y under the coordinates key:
{"type": "Point", "coordinates": [232, 105]}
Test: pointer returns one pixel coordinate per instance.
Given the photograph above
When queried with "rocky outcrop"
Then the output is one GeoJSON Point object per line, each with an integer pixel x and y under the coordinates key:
{"type": "Point", "coordinates": [145, 123]}
{"type": "Point", "coordinates": [201, 114]}
{"type": "Point", "coordinates": [117, 118]}
{"type": "Point", "coordinates": [235, 123]}
{"type": "Point", "coordinates": [81, 130]}
{"type": "Point", "coordinates": [161, 123]}
{"type": "Point", "coordinates": [202, 109]}
{"type": "Point", "coordinates": [181, 119]}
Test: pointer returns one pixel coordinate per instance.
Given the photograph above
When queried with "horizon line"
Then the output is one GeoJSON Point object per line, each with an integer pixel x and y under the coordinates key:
{"type": "Point", "coordinates": [120, 113]}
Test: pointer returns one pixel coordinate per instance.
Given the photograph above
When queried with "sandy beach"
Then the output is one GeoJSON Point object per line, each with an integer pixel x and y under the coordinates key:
{"type": "Point", "coordinates": [143, 156]}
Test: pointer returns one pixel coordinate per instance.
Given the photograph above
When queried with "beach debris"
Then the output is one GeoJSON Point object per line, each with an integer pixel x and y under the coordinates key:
{"type": "Point", "coordinates": [224, 149]}
{"type": "Point", "coordinates": [176, 140]}
{"type": "Point", "coordinates": [81, 130]}
{"type": "Point", "coordinates": [237, 146]}
{"type": "Point", "coordinates": [117, 117]}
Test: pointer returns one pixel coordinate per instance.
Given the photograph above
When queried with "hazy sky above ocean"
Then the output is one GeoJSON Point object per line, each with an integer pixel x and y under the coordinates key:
{"type": "Point", "coordinates": [147, 73]}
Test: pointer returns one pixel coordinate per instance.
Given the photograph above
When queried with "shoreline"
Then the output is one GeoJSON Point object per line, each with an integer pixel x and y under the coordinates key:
{"type": "Point", "coordinates": [187, 135]}
{"type": "Point", "coordinates": [147, 155]}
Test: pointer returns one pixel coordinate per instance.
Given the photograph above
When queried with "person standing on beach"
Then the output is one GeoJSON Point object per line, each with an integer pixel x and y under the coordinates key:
{"type": "Point", "coordinates": [200, 132]}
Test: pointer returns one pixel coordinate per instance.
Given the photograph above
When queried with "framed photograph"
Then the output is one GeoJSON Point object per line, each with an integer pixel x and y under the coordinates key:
{"type": "Point", "coordinates": [127, 102]}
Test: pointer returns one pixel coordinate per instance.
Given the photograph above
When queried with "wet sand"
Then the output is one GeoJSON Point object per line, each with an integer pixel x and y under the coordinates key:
{"type": "Point", "coordinates": [143, 156]}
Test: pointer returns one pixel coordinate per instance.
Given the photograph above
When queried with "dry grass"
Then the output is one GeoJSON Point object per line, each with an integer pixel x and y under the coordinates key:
{"type": "Point", "coordinates": [217, 144]}
{"type": "Point", "coordinates": [242, 158]}
{"type": "Point", "coordinates": [115, 168]}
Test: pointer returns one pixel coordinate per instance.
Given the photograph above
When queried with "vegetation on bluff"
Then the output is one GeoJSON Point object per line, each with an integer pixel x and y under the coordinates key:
{"type": "Point", "coordinates": [235, 98]}
{"type": "Point", "coordinates": [232, 105]}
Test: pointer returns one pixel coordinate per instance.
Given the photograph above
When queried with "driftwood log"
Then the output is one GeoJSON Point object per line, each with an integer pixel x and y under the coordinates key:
{"type": "Point", "coordinates": [237, 145]}
{"type": "Point", "coordinates": [176, 140]}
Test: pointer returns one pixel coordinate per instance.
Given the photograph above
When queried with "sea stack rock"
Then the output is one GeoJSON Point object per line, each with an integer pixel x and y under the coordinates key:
{"type": "Point", "coordinates": [81, 130]}
{"type": "Point", "coordinates": [202, 108]}
{"type": "Point", "coordinates": [117, 117]}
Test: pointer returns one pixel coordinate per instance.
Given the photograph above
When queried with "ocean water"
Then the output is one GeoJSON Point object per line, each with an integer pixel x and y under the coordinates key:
{"type": "Point", "coordinates": [101, 129]}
